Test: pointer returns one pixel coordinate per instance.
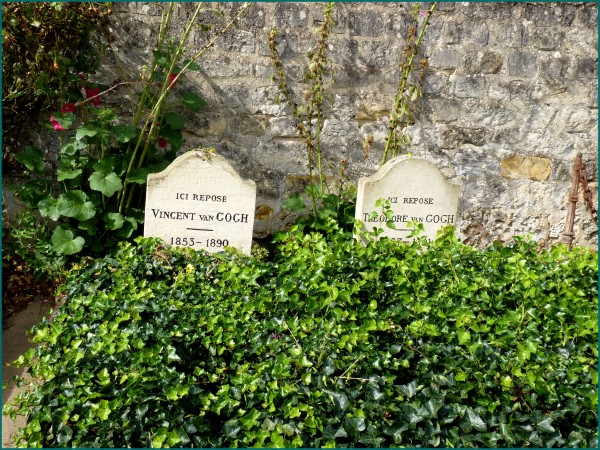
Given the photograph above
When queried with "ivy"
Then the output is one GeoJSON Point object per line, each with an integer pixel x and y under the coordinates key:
{"type": "Point", "coordinates": [330, 344]}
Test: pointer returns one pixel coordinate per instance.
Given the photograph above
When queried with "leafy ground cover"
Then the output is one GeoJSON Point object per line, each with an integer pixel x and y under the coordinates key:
{"type": "Point", "coordinates": [329, 343]}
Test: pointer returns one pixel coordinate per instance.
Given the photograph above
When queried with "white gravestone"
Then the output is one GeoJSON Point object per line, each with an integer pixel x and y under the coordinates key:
{"type": "Point", "coordinates": [417, 192]}
{"type": "Point", "coordinates": [200, 201]}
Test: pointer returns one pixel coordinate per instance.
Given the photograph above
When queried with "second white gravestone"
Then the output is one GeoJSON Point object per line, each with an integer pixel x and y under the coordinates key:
{"type": "Point", "coordinates": [200, 201]}
{"type": "Point", "coordinates": [417, 192]}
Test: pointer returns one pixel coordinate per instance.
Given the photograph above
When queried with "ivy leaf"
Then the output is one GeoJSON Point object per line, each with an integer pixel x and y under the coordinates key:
{"type": "Point", "coordinates": [77, 205]}
{"type": "Point", "coordinates": [174, 120]}
{"type": "Point", "coordinates": [32, 158]}
{"type": "Point", "coordinates": [250, 419]}
{"type": "Point", "coordinates": [339, 399]}
{"type": "Point", "coordinates": [64, 436]}
{"type": "Point", "coordinates": [472, 421]}
{"type": "Point", "coordinates": [193, 101]}
{"type": "Point", "coordinates": [294, 203]}
{"type": "Point", "coordinates": [464, 336]}
{"type": "Point", "coordinates": [108, 184]}
{"type": "Point", "coordinates": [65, 242]}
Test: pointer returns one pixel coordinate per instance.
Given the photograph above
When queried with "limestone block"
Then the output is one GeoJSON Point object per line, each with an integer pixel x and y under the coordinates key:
{"type": "Point", "coordinates": [511, 35]}
{"type": "Point", "coordinates": [531, 167]}
{"type": "Point", "coordinates": [469, 87]}
{"type": "Point", "coordinates": [581, 120]}
{"type": "Point", "coordinates": [556, 14]}
{"type": "Point", "coordinates": [445, 58]}
{"type": "Point", "coordinates": [262, 212]}
{"type": "Point", "coordinates": [365, 23]}
{"type": "Point", "coordinates": [292, 15]}
{"type": "Point", "coordinates": [547, 38]}
{"type": "Point", "coordinates": [587, 68]}
{"type": "Point", "coordinates": [521, 64]}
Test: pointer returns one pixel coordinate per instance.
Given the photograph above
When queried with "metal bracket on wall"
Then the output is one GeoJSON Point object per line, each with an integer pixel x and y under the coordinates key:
{"type": "Point", "coordinates": [579, 177]}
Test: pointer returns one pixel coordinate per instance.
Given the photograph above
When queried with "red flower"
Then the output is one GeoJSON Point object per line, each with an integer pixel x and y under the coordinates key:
{"type": "Point", "coordinates": [172, 79]}
{"type": "Point", "coordinates": [162, 142]}
{"type": "Point", "coordinates": [92, 92]}
{"type": "Point", "coordinates": [68, 107]}
{"type": "Point", "coordinates": [56, 124]}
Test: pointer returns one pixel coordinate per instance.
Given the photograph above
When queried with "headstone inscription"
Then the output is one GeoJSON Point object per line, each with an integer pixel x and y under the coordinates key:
{"type": "Point", "coordinates": [417, 192]}
{"type": "Point", "coordinates": [200, 201]}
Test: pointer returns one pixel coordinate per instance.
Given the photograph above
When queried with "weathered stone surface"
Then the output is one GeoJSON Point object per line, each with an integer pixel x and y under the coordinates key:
{"type": "Point", "coordinates": [365, 23]}
{"type": "Point", "coordinates": [417, 192]}
{"type": "Point", "coordinates": [292, 15]}
{"type": "Point", "coordinates": [445, 58]}
{"type": "Point", "coordinates": [521, 64]}
{"type": "Point", "coordinates": [262, 212]}
{"type": "Point", "coordinates": [199, 201]}
{"type": "Point", "coordinates": [510, 35]}
{"type": "Point", "coordinates": [469, 87]}
{"type": "Point", "coordinates": [581, 120]}
{"type": "Point", "coordinates": [547, 38]}
{"type": "Point", "coordinates": [483, 62]}
{"type": "Point", "coordinates": [456, 137]}
{"type": "Point", "coordinates": [587, 68]}
{"type": "Point", "coordinates": [530, 167]}
{"type": "Point", "coordinates": [556, 14]}
{"type": "Point", "coordinates": [553, 68]}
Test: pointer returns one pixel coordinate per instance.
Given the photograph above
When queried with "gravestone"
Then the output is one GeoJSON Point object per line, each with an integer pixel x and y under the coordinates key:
{"type": "Point", "coordinates": [417, 192]}
{"type": "Point", "coordinates": [200, 201]}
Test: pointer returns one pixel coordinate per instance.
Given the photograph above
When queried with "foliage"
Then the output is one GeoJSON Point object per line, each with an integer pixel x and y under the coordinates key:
{"type": "Point", "coordinates": [409, 88]}
{"type": "Point", "coordinates": [28, 243]}
{"type": "Point", "coordinates": [309, 116]}
{"type": "Point", "coordinates": [104, 160]}
{"type": "Point", "coordinates": [332, 343]}
{"type": "Point", "coordinates": [44, 47]}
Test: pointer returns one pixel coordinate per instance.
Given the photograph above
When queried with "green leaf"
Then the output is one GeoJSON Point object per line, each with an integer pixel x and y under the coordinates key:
{"type": "Point", "coordinates": [125, 133]}
{"type": "Point", "coordinates": [162, 58]}
{"type": "Point", "coordinates": [175, 120]}
{"type": "Point", "coordinates": [65, 242]}
{"type": "Point", "coordinates": [472, 420]}
{"type": "Point", "coordinates": [138, 176]}
{"type": "Point", "coordinates": [32, 158]}
{"type": "Point", "coordinates": [193, 66]}
{"type": "Point", "coordinates": [108, 184]}
{"type": "Point", "coordinates": [64, 436]}
{"type": "Point", "coordinates": [114, 221]}
{"type": "Point", "coordinates": [294, 203]}
{"type": "Point", "coordinates": [86, 130]}
{"type": "Point", "coordinates": [67, 174]}
{"type": "Point", "coordinates": [339, 399]}
{"type": "Point", "coordinates": [76, 204]}
{"type": "Point", "coordinates": [464, 336]}
{"type": "Point", "coordinates": [250, 419]}
{"type": "Point", "coordinates": [193, 101]}
{"type": "Point", "coordinates": [49, 207]}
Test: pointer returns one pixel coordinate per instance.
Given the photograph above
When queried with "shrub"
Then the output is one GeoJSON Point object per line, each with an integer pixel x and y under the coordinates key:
{"type": "Point", "coordinates": [330, 344]}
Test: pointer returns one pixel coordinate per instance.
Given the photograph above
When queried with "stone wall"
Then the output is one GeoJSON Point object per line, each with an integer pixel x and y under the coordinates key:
{"type": "Point", "coordinates": [510, 99]}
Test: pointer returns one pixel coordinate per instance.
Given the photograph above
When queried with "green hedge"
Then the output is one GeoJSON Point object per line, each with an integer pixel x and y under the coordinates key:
{"type": "Point", "coordinates": [331, 344]}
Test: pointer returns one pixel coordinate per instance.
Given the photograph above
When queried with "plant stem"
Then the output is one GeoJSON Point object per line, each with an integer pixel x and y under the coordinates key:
{"type": "Point", "coordinates": [407, 67]}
